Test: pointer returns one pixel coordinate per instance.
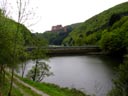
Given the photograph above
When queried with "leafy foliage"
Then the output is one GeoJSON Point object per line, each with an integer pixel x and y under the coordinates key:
{"type": "Point", "coordinates": [121, 81]}
{"type": "Point", "coordinates": [43, 70]}
{"type": "Point", "coordinates": [115, 40]}
{"type": "Point", "coordinates": [8, 28]}
{"type": "Point", "coordinates": [14, 38]}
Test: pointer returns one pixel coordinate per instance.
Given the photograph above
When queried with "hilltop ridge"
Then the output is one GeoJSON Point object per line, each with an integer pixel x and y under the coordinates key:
{"type": "Point", "coordinates": [95, 25]}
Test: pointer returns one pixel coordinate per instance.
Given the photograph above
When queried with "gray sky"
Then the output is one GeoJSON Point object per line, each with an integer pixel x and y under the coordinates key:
{"type": "Point", "coordinates": [65, 12]}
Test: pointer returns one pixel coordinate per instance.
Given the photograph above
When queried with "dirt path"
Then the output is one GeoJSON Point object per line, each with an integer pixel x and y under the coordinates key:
{"type": "Point", "coordinates": [21, 90]}
{"type": "Point", "coordinates": [32, 88]}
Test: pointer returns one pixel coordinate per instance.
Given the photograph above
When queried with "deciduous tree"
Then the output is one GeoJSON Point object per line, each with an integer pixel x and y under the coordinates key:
{"type": "Point", "coordinates": [42, 71]}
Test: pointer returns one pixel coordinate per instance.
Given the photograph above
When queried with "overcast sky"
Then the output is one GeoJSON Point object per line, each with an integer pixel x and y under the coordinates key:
{"type": "Point", "coordinates": [65, 12]}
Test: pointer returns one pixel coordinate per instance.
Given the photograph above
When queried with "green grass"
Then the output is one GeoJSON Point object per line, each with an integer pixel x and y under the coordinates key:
{"type": "Point", "coordinates": [4, 90]}
{"type": "Point", "coordinates": [25, 89]}
{"type": "Point", "coordinates": [18, 90]}
{"type": "Point", "coordinates": [50, 89]}
{"type": "Point", "coordinates": [54, 90]}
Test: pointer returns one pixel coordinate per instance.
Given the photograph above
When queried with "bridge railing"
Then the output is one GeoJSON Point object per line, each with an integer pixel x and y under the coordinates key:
{"type": "Point", "coordinates": [65, 47]}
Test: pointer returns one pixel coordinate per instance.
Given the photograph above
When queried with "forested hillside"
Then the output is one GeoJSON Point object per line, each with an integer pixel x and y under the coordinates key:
{"type": "Point", "coordinates": [108, 29]}
{"type": "Point", "coordinates": [90, 32]}
{"type": "Point", "coordinates": [8, 27]}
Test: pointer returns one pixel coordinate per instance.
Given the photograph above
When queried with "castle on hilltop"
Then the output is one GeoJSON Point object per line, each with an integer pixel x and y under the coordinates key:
{"type": "Point", "coordinates": [58, 28]}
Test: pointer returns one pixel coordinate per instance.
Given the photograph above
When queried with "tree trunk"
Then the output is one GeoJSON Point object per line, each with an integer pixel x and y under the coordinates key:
{"type": "Point", "coordinates": [23, 69]}
{"type": "Point", "coordinates": [34, 77]}
{"type": "Point", "coordinates": [0, 75]}
{"type": "Point", "coordinates": [11, 84]}
{"type": "Point", "coordinates": [3, 69]}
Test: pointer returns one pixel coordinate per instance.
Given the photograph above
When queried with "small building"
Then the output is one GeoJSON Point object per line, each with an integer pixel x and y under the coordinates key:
{"type": "Point", "coordinates": [58, 28]}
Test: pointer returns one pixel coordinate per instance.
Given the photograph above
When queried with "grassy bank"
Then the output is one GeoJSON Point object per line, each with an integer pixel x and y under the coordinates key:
{"type": "Point", "coordinates": [5, 88]}
{"type": "Point", "coordinates": [25, 90]}
{"type": "Point", "coordinates": [54, 90]}
{"type": "Point", "coordinates": [17, 90]}
{"type": "Point", "coordinates": [50, 89]}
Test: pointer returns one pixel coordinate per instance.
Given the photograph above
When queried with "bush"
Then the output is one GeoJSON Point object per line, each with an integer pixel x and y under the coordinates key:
{"type": "Point", "coordinates": [121, 82]}
{"type": "Point", "coordinates": [113, 42]}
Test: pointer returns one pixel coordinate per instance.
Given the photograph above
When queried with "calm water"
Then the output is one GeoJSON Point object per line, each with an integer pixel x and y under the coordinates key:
{"type": "Point", "coordinates": [91, 74]}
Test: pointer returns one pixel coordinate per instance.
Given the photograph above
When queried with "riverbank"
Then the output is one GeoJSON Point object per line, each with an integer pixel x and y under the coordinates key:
{"type": "Point", "coordinates": [54, 90]}
{"type": "Point", "coordinates": [18, 88]}
{"type": "Point", "coordinates": [26, 87]}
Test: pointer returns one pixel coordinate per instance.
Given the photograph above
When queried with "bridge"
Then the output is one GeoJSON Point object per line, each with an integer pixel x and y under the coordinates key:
{"type": "Point", "coordinates": [74, 50]}
{"type": "Point", "coordinates": [62, 50]}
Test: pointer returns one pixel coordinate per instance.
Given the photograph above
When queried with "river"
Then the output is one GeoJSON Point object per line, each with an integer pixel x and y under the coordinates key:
{"type": "Point", "coordinates": [89, 73]}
